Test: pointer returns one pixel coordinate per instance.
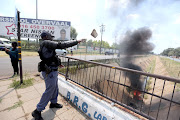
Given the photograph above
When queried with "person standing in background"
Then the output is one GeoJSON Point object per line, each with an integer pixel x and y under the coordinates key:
{"type": "Point", "coordinates": [13, 53]}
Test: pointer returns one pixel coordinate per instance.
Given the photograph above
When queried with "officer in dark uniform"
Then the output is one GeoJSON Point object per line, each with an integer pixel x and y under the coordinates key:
{"type": "Point", "coordinates": [49, 67]}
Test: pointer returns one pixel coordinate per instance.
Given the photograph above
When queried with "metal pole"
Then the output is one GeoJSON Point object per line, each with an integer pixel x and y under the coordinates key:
{"type": "Point", "coordinates": [28, 43]}
{"type": "Point", "coordinates": [101, 30]}
{"type": "Point", "coordinates": [115, 45]}
{"type": "Point", "coordinates": [19, 46]}
{"type": "Point", "coordinates": [101, 43]}
{"type": "Point", "coordinates": [36, 9]}
{"type": "Point", "coordinates": [86, 47]}
{"type": "Point", "coordinates": [67, 69]}
{"type": "Point", "coordinates": [36, 18]}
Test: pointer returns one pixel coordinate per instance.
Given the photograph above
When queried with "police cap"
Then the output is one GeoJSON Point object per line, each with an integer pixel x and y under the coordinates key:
{"type": "Point", "coordinates": [44, 34]}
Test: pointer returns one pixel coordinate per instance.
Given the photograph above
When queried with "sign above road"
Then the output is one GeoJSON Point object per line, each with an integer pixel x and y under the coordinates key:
{"type": "Point", "coordinates": [32, 28]}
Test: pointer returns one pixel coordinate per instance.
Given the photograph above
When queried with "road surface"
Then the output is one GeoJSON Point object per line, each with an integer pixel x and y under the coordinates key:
{"type": "Point", "coordinates": [175, 59]}
{"type": "Point", "coordinates": [30, 63]}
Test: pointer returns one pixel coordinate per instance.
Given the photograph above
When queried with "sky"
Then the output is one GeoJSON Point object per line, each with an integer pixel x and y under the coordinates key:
{"type": "Point", "coordinates": [118, 16]}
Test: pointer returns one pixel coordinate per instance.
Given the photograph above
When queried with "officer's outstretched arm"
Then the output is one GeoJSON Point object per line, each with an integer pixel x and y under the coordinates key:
{"type": "Point", "coordinates": [50, 44]}
{"type": "Point", "coordinates": [60, 45]}
{"type": "Point", "coordinates": [63, 45]}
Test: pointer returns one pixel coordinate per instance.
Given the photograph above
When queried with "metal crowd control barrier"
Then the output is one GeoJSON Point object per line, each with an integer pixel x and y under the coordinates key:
{"type": "Point", "coordinates": [149, 95]}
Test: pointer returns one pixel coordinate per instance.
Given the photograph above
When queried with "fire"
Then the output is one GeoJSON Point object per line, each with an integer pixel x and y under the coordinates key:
{"type": "Point", "coordinates": [137, 95]}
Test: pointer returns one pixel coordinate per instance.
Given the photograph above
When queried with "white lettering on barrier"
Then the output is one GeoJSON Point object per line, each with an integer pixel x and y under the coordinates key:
{"type": "Point", "coordinates": [84, 107]}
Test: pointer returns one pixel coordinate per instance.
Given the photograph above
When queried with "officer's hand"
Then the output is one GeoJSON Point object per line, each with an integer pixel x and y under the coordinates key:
{"type": "Point", "coordinates": [61, 66]}
{"type": "Point", "coordinates": [82, 40]}
{"type": "Point", "coordinates": [7, 50]}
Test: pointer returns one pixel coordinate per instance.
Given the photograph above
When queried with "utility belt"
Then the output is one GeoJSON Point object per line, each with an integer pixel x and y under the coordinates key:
{"type": "Point", "coordinates": [44, 67]}
{"type": "Point", "coordinates": [54, 70]}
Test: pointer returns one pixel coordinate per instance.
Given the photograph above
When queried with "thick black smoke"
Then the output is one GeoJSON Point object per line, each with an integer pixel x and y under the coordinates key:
{"type": "Point", "coordinates": [135, 43]}
{"type": "Point", "coordinates": [133, 77]}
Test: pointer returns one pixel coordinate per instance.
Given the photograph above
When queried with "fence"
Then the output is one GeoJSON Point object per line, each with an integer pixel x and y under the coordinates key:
{"type": "Point", "coordinates": [92, 50]}
{"type": "Point", "coordinates": [128, 88]}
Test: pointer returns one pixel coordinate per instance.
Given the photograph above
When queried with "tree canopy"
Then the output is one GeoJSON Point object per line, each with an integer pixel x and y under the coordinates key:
{"type": "Point", "coordinates": [74, 33]}
{"type": "Point", "coordinates": [97, 43]}
{"type": "Point", "coordinates": [115, 46]}
{"type": "Point", "coordinates": [171, 52]}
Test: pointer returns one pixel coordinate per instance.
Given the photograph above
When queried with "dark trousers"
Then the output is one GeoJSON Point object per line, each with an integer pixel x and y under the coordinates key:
{"type": "Point", "coordinates": [15, 66]}
{"type": "Point", "coordinates": [51, 92]}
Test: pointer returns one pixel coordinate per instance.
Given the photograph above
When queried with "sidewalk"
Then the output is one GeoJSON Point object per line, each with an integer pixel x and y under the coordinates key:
{"type": "Point", "coordinates": [19, 103]}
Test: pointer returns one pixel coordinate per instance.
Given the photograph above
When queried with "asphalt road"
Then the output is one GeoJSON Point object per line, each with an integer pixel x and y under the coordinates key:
{"type": "Point", "coordinates": [175, 59]}
{"type": "Point", "coordinates": [30, 63]}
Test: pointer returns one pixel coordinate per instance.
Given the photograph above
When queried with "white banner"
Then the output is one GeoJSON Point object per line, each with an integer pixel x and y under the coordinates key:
{"type": "Point", "coordinates": [32, 28]}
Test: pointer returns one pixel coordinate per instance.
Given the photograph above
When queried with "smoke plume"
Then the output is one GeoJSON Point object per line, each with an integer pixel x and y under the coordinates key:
{"type": "Point", "coordinates": [161, 16]}
{"type": "Point", "coordinates": [135, 43]}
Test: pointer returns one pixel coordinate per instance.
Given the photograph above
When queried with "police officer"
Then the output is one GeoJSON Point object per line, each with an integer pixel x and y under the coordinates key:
{"type": "Point", "coordinates": [49, 67]}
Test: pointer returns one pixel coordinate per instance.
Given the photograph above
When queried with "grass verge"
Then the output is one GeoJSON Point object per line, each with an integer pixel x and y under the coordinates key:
{"type": "Point", "coordinates": [173, 67]}
{"type": "Point", "coordinates": [178, 87]}
{"type": "Point", "coordinates": [24, 53]}
{"type": "Point", "coordinates": [151, 66]}
{"type": "Point", "coordinates": [0, 100]}
{"type": "Point", "coordinates": [29, 53]}
{"type": "Point", "coordinates": [150, 69]}
{"type": "Point", "coordinates": [26, 83]}
{"type": "Point", "coordinates": [17, 104]}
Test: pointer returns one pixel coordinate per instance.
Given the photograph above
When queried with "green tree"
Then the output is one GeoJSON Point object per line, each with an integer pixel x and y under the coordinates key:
{"type": "Point", "coordinates": [105, 44]}
{"type": "Point", "coordinates": [166, 51]}
{"type": "Point", "coordinates": [74, 33]}
{"type": "Point", "coordinates": [177, 52]}
{"type": "Point", "coordinates": [89, 43]}
{"type": "Point", "coordinates": [114, 46]}
{"type": "Point", "coordinates": [96, 43]}
{"type": "Point", "coordinates": [171, 53]}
